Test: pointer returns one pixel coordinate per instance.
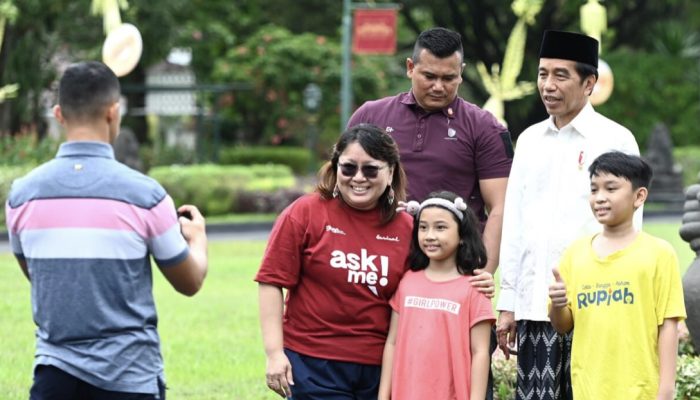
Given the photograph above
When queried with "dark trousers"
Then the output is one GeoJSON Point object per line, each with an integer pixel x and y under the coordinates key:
{"type": "Point", "coordinates": [544, 362]}
{"type": "Point", "coordinates": [51, 383]}
{"type": "Point", "coordinates": [320, 379]}
{"type": "Point", "coordinates": [492, 347]}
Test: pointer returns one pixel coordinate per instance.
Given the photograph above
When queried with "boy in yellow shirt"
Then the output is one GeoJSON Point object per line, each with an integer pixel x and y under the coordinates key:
{"type": "Point", "coordinates": [621, 289]}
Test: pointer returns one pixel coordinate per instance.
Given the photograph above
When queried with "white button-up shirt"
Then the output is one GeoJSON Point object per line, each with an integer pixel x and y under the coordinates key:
{"type": "Point", "coordinates": [547, 206]}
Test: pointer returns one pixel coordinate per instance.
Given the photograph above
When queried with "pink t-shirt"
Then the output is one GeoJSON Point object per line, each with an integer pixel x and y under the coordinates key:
{"type": "Point", "coordinates": [340, 268]}
{"type": "Point", "coordinates": [432, 359]}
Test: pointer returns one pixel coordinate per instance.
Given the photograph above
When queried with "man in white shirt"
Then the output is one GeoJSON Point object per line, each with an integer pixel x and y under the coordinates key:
{"type": "Point", "coordinates": [547, 208]}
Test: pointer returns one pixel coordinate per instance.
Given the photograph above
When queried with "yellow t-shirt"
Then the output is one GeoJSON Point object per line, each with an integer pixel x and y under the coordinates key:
{"type": "Point", "coordinates": [618, 303]}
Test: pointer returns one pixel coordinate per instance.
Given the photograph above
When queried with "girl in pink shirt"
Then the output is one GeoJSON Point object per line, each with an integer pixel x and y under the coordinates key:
{"type": "Point", "coordinates": [438, 342]}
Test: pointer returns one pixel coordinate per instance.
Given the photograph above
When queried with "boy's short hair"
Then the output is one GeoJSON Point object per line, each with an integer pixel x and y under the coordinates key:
{"type": "Point", "coordinates": [630, 167]}
{"type": "Point", "coordinates": [86, 88]}
{"type": "Point", "coordinates": [440, 42]}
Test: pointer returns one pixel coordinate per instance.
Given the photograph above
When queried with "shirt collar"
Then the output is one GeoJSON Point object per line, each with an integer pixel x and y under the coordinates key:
{"type": "Point", "coordinates": [581, 122]}
{"type": "Point", "coordinates": [410, 100]}
{"type": "Point", "coordinates": [85, 148]}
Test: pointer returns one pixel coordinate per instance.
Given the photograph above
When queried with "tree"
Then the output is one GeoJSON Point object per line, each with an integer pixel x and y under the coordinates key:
{"type": "Point", "coordinates": [280, 65]}
{"type": "Point", "coordinates": [44, 36]}
{"type": "Point", "coordinates": [158, 23]}
{"type": "Point", "coordinates": [22, 61]}
{"type": "Point", "coordinates": [211, 28]}
{"type": "Point", "coordinates": [485, 25]}
{"type": "Point", "coordinates": [48, 34]}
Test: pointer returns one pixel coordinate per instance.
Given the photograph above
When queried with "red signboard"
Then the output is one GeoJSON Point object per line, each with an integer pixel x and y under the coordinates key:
{"type": "Point", "coordinates": [374, 31]}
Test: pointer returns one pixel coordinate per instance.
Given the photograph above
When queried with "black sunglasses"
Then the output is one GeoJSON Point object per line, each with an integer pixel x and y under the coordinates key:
{"type": "Point", "coordinates": [368, 171]}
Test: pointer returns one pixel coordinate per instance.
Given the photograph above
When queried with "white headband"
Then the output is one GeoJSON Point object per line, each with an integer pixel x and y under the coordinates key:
{"type": "Point", "coordinates": [413, 208]}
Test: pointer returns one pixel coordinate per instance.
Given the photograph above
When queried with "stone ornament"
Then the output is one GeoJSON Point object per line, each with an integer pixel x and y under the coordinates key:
{"type": "Point", "coordinates": [690, 232]}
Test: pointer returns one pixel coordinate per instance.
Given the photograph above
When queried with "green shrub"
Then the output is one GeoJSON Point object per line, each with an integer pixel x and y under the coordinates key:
{"type": "Point", "coordinates": [652, 88]}
{"type": "Point", "coordinates": [685, 345]}
{"type": "Point", "coordinates": [222, 189]}
{"type": "Point", "coordinates": [280, 64]}
{"type": "Point", "coordinates": [26, 149]}
{"type": "Point", "coordinates": [687, 374]}
{"type": "Point", "coordinates": [689, 159]}
{"type": "Point", "coordinates": [7, 175]}
{"type": "Point", "coordinates": [504, 377]}
{"type": "Point", "coordinates": [297, 158]}
{"type": "Point", "coordinates": [165, 155]}
{"type": "Point", "coordinates": [687, 378]}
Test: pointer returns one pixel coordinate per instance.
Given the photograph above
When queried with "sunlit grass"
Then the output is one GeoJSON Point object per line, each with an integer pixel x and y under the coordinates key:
{"type": "Point", "coordinates": [211, 342]}
{"type": "Point", "coordinates": [241, 218]}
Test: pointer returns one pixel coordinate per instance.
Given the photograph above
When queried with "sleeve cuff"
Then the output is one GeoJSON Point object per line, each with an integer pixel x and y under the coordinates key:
{"type": "Point", "coordinates": [169, 262]}
{"type": "Point", "coordinates": [506, 300]}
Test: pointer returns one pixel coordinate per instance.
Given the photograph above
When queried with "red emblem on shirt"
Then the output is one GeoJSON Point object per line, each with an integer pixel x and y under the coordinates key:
{"type": "Point", "coordinates": [580, 159]}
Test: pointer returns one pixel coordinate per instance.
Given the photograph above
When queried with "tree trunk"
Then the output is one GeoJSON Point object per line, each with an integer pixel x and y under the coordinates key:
{"type": "Point", "coordinates": [135, 93]}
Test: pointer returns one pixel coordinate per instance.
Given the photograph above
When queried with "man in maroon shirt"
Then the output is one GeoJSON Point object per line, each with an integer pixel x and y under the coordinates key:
{"type": "Point", "coordinates": [445, 142]}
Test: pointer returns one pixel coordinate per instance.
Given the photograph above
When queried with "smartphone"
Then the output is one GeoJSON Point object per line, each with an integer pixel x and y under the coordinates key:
{"type": "Point", "coordinates": [185, 214]}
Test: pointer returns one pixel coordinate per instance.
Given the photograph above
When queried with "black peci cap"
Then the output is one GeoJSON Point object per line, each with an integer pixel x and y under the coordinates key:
{"type": "Point", "coordinates": [570, 46]}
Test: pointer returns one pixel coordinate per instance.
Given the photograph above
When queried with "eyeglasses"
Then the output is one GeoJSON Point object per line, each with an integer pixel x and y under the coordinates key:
{"type": "Point", "coordinates": [368, 171]}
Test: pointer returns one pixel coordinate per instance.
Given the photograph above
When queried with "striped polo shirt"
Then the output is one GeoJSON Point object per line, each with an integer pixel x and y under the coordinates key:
{"type": "Point", "coordinates": [87, 225]}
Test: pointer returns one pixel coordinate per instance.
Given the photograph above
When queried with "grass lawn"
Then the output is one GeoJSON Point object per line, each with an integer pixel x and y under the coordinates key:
{"type": "Point", "coordinates": [211, 342]}
{"type": "Point", "coordinates": [669, 231]}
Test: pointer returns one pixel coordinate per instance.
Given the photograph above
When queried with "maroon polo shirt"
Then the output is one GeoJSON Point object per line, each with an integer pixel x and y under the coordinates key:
{"type": "Point", "coordinates": [451, 149]}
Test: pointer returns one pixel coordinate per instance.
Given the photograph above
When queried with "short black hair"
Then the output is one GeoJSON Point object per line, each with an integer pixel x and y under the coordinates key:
{"type": "Point", "coordinates": [630, 167]}
{"type": "Point", "coordinates": [438, 41]}
{"type": "Point", "coordinates": [471, 253]}
{"type": "Point", "coordinates": [86, 88]}
{"type": "Point", "coordinates": [585, 70]}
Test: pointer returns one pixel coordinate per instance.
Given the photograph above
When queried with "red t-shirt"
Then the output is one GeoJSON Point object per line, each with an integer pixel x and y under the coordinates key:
{"type": "Point", "coordinates": [432, 359]}
{"type": "Point", "coordinates": [340, 268]}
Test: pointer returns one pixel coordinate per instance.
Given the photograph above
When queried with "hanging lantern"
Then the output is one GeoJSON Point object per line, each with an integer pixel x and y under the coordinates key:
{"type": "Point", "coordinates": [109, 9]}
{"type": "Point", "coordinates": [604, 87]}
{"type": "Point", "coordinates": [123, 46]}
{"type": "Point", "coordinates": [594, 20]}
{"type": "Point", "coordinates": [122, 49]}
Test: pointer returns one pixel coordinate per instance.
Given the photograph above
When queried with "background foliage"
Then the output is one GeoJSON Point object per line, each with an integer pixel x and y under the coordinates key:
{"type": "Point", "coordinates": [279, 46]}
{"type": "Point", "coordinates": [655, 87]}
{"type": "Point", "coordinates": [689, 159]}
{"type": "Point", "coordinates": [217, 189]}
{"type": "Point", "coordinates": [280, 64]}
{"type": "Point", "coordinates": [687, 382]}
{"type": "Point", "coordinates": [26, 149]}
{"type": "Point", "coordinates": [296, 158]}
